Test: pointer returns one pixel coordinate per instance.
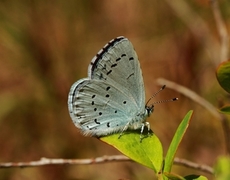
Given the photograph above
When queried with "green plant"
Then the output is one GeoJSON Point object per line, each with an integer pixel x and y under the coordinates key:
{"type": "Point", "coordinates": [149, 151]}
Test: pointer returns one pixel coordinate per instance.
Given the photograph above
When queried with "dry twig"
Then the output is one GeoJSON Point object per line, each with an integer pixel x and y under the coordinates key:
{"type": "Point", "coordinates": [189, 164]}
{"type": "Point", "coordinates": [222, 30]}
{"type": "Point", "coordinates": [98, 160]}
{"type": "Point", "coordinates": [190, 94]}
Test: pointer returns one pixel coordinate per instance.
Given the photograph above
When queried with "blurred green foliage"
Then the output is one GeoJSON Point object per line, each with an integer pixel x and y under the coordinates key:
{"type": "Point", "coordinates": [222, 168]}
{"type": "Point", "coordinates": [46, 46]}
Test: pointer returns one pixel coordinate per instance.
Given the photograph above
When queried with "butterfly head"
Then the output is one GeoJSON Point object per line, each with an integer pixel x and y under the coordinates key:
{"type": "Point", "coordinates": [149, 109]}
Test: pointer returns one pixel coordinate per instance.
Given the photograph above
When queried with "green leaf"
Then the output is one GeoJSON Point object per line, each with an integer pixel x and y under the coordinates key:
{"type": "Point", "coordinates": [147, 152]}
{"type": "Point", "coordinates": [176, 141]}
{"type": "Point", "coordinates": [223, 75]}
{"type": "Point", "coordinates": [195, 177]}
{"type": "Point", "coordinates": [172, 176]}
{"type": "Point", "coordinates": [225, 109]}
{"type": "Point", "coordinates": [222, 168]}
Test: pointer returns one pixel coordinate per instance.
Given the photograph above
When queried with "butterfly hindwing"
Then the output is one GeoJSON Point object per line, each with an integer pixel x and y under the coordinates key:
{"type": "Point", "coordinates": [96, 111]}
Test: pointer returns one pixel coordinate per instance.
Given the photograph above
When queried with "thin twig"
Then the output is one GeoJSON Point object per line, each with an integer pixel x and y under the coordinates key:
{"type": "Point", "coordinates": [226, 128]}
{"type": "Point", "coordinates": [190, 94]}
{"type": "Point", "coordinates": [98, 160]}
{"type": "Point", "coordinates": [222, 30]}
{"type": "Point", "coordinates": [47, 161]}
{"type": "Point", "coordinates": [186, 163]}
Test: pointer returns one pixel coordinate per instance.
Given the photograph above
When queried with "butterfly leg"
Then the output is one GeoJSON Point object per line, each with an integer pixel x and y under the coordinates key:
{"type": "Point", "coordinates": [142, 129]}
{"type": "Point", "coordinates": [148, 126]}
{"type": "Point", "coordinates": [124, 129]}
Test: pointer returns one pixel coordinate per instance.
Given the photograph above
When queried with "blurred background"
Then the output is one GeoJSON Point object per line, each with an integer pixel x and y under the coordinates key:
{"type": "Point", "coordinates": [46, 46]}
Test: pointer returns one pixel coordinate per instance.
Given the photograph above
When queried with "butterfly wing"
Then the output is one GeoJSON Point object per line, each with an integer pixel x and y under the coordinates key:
{"type": "Point", "coordinates": [113, 95]}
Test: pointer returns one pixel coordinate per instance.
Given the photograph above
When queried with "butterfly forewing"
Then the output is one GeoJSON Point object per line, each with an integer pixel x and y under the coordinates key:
{"type": "Point", "coordinates": [117, 63]}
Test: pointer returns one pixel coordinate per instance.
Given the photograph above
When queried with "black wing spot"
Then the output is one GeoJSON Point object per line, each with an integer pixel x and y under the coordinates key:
{"type": "Point", "coordinates": [107, 95]}
{"type": "Point", "coordinates": [115, 111]}
{"type": "Point", "coordinates": [113, 65]}
{"type": "Point", "coordinates": [76, 106]}
{"type": "Point", "coordinates": [124, 102]}
{"type": "Point", "coordinates": [93, 96]}
{"type": "Point", "coordinates": [118, 59]}
{"type": "Point", "coordinates": [95, 109]}
{"type": "Point", "coordinates": [107, 88]}
{"type": "Point", "coordinates": [131, 58]}
{"type": "Point", "coordinates": [108, 124]}
{"type": "Point", "coordinates": [81, 90]}
{"type": "Point", "coordinates": [92, 103]}
{"type": "Point", "coordinates": [95, 120]}
{"type": "Point", "coordinates": [109, 72]}
{"type": "Point", "coordinates": [123, 55]}
{"type": "Point", "coordinates": [100, 113]}
{"type": "Point", "coordinates": [130, 75]}
{"type": "Point", "coordinates": [101, 76]}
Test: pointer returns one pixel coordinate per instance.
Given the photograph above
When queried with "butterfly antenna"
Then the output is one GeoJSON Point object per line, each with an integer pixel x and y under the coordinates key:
{"type": "Point", "coordinates": [154, 95]}
{"type": "Point", "coordinates": [162, 101]}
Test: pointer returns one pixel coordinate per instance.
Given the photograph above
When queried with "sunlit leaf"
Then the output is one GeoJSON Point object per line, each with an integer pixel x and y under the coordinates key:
{"type": "Point", "coordinates": [223, 75]}
{"type": "Point", "coordinates": [172, 176]}
{"type": "Point", "coordinates": [222, 168]}
{"type": "Point", "coordinates": [147, 152]}
{"type": "Point", "coordinates": [225, 109]}
{"type": "Point", "coordinates": [195, 177]}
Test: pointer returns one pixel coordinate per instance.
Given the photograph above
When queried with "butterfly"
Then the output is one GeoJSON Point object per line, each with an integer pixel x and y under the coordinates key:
{"type": "Point", "coordinates": [112, 98]}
